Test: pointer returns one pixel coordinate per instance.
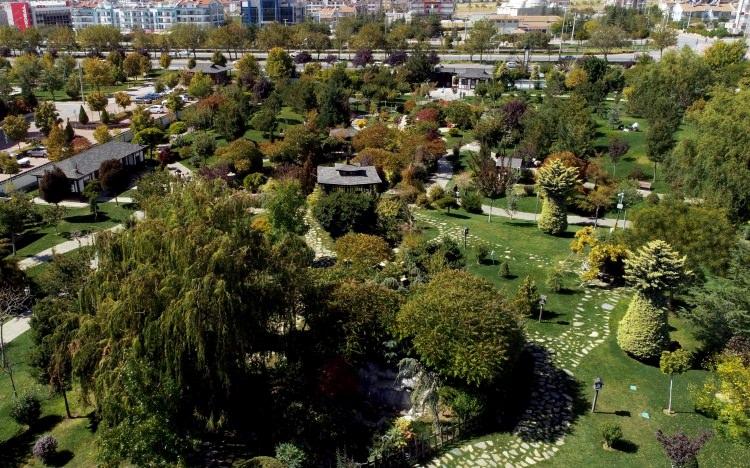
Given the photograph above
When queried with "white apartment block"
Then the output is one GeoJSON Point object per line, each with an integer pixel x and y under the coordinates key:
{"type": "Point", "coordinates": [146, 15]}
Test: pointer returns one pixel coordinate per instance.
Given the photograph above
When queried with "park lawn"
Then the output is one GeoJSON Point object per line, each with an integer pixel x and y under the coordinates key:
{"type": "Point", "coordinates": [618, 371]}
{"type": "Point", "coordinates": [75, 438]}
{"type": "Point", "coordinates": [75, 220]}
{"type": "Point", "coordinates": [532, 253]}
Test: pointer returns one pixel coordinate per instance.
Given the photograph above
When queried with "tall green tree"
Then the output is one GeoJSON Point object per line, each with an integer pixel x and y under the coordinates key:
{"type": "Point", "coordinates": [555, 182]}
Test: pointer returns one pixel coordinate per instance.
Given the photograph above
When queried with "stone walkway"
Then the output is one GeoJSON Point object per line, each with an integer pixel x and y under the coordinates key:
{"type": "Point", "coordinates": [541, 430]}
{"type": "Point", "coordinates": [317, 238]}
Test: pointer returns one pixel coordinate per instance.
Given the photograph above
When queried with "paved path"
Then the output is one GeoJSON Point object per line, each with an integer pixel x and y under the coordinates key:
{"type": "Point", "coordinates": [75, 204]}
{"type": "Point", "coordinates": [572, 219]}
{"type": "Point", "coordinates": [443, 174]}
{"type": "Point", "coordinates": [15, 327]}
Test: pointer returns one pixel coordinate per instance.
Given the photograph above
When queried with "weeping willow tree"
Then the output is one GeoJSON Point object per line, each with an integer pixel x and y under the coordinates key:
{"type": "Point", "coordinates": [555, 182]}
{"type": "Point", "coordinates": [196, 295]}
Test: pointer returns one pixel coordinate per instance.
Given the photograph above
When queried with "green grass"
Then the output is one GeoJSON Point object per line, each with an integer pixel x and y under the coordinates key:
{"type": "Point", "coordinates": [618, 371]}
{"type": "Point", "coordinates": [522, 239]}
{"type": "Point", "coordinates": [583, 446]}
{"type": "Point", "coordinates": [76, 220]}
{"type": "Point", "coordinates": [75, 438]}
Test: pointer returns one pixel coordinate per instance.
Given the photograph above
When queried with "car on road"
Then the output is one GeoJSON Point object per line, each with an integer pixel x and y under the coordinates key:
{"type": "Point", "coordinates": [147, 98]}
{"type": "Point", "coordinates": [38, 152]}
{"type": "Point", "coordinates": [157, 109]}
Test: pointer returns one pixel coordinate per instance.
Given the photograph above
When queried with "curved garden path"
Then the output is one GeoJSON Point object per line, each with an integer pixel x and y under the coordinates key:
{"type": "Point", "coordinates": [542, 428]}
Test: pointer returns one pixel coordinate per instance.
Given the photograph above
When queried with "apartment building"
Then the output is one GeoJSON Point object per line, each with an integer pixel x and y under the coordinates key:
{"type": "Point", "coordinates": [147, 15]}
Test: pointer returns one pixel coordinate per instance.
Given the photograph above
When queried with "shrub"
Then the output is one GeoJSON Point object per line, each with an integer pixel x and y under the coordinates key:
{"type": "Point", "coordinates": [555, 280]}
{"type": "Point", "coordinates": [611, 434]}
{"type": "Point", "coordinates": [652, 198]}
{"type": "Point", "coordinates": [482, 252]}
{"type": "Point", "coordinates": [637, 174]}
{"type": "Point", "coordinates": [26, 409]}
{"type": "Point", "coordinates": [435, 193]}
{"type": "Point", "coordinates": [504, 270]}
{"type": "Point", "coordinates": [104, 116]}
{"type": "Point", "coordinates": [290, 455]}
{"type": "Point", "coordinates": [454, 132]}
{"type": "Point", "coordinates": [643, 331]}
{"type": "Point", "coordinates": [422, 201]}
{"type": "Point", "coordinates": [526, 298]}
{"type": "Point", "coordinates": [261, 462]}
{"type": "Point", "coordinates": [83, 117]}
{"type": "Point", "coordinates": [177, 128]}
{"type": "Point", "coordinates": [471, 201]}
{"type": "Point", "coordinates": [45, 448]}
{"type": "Point", "coordinates": [340, 212]}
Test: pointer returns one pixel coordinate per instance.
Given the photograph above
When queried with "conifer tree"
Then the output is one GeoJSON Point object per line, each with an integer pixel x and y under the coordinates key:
{"type": "Point", "coordinates": [555, 182]}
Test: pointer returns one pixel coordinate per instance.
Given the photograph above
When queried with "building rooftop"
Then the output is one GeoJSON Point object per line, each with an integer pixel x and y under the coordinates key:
{"type": "Point", "coordinates": [208, 68]}
{"type": "Point", "coordinates": [348, 175]}
{"type": "Point", "coordinates": [88, 161]}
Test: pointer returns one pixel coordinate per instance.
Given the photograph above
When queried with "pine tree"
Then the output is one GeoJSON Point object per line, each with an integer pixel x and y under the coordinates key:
{"type": "Point", "coordinates": [83, 117]}
{"type": "Point", "coordinates": [69, 132]}
{"type": "Point", "coordinates": [654, 271]}
{"type": "Point", "coordinates": [555, 182]}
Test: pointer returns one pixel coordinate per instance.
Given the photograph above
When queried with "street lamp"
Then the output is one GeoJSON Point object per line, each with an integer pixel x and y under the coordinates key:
{"type": "Point", "coordinates": [466, 234]}
{"type": "Point", "coordinates": [620, 206]}
{"type": "Point", "coordinates": [456, 192]}
{"type": "Point", "coordinates": [598, 384]}
{"type": "Point", "coordinates": [542, 301]}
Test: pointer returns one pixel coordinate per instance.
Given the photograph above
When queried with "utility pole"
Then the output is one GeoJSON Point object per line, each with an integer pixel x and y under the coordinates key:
{"type": "Point", "coordinates": [562, 32]}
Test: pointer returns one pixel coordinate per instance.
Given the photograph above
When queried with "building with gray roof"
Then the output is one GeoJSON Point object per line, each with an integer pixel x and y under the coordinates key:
{"type": "Point", "coordinates": [84, 166]}
{"type": "Point", "coordinates": [349, 177]}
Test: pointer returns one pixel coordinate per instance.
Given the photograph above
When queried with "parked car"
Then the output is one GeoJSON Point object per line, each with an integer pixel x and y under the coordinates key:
{"type": "Point", "coordinates": [38, 152]}
{"type": "Point", "coordinates": [157, 109]}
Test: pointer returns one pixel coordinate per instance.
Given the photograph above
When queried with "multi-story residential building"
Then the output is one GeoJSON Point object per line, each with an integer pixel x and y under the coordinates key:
{"type": "Point", "coordinates": [740, 23]}
{"type": "Point", "coordinates": [698, 10]}
{"type": "Point", "coordinates": [272, 11]}
{"type": "Point", "coordinates": [636, 4]}
{"type": "Point", "coordinates": [444, 8]}
{"type": "Point", "coordinates": [146, 15]}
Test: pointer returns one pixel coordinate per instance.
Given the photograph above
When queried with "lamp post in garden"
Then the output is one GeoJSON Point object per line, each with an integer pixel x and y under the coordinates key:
{"type": "Point", "coordinates": [542, 301]}
{"type": "Point", "coordinates": [598, 384]}
{"type": "Point", "coordinates": [620, 206]}
{"type": "Point", "coordinates": [466, 234]}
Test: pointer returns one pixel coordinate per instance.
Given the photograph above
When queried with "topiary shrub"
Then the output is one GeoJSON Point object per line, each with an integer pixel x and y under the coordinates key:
{"type": "Point", "coordinates": [504, 270]}
{"type": "Point", "coordinates": [553, 219]}
{"type": "Point", "coordinates": [643, 332]}
{"type": "Point", "coordinates": [482, 251]}
{"type": "Point", "coordinates": [472, 201]}
{"type": "Point", "coordinates": [611, 434]}
{"type": "Point", "coordinates": [26, 409]}
{"type": "Point", "coordinates": [45, 448]}
{"type": "Point", "coordinates": [83, 117]}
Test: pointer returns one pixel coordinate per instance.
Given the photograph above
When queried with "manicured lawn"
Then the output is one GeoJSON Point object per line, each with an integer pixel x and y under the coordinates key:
{"type": "Point", "coordinates": [618, 371]}
{"type": "Point", "coordinates": [75, 438]}
{"type": "Point", "coordinates": [76, 220]}
{"type": "Point", "coordinates": [533, 253]}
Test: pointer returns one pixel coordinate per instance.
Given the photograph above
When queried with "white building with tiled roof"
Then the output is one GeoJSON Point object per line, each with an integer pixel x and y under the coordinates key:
{"type": "Point", "coordinates": [147, 15]}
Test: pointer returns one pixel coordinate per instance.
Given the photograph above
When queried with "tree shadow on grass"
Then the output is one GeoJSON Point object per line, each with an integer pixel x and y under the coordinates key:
{"type": "Point", "coordinates": [61, 458]}
{"type": "Point", "coordinates": [548, 315]}
{"type": "Point", "coordinates": [15, 450]}
{"type": "Point", "coordinates": [625, 446]}
{"type": "Point", "coordinates": [87, 218]}
{"type": "Point", "coordinates": [457, 215]}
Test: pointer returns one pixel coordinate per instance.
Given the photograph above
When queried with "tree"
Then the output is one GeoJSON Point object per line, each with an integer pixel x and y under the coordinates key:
{"type": "Point", "coordinates": [57, 146]}
{"type": "Point", "coordinates": [122, 99]}
{"type": "Point", "coordinates": [68, 132]}
{"type": "Point", "coordinates": [600, 197]}
{"type": "Point", "coordinates": [362, 250]}
{"type": "Point", "coordinates": [340, 212]}
{"type": "Point", "coordinates": [16, 128]}
{"type": "Point", "coordinates": [285, 207]}
{"type": "Point", "coordinates": [201, 85]}
{"type": "Point", "coordinates": [8, 164]}
{"type": "Point", "coordinates": [654, 271]}
{"type": "Point", "coordinates": [248, 70]}
{"type": "Point", "coordinates": [606, 37]}
{"type": "Point", "coordinates": [97, 101]}
{"type": "Point", "coordinates": [150, 137]}
{"type": "Point", "coordinates": [279, 65]}
{"type": "Point", "coordinates": [671, 363]}
{"type": "Point", "coordinates": [680, 448]}
{"type": "Point", "coordinates": [102, 135]}
{"type": "Point", "coordinates": [460, 114]}
{"type": "Point", "coordinates": [703, 233]}
{"type": "Point", "coordinates": [362, 58]}
{"type": "Point", "coordinates": [709, 164]}
{"type": "Point", "coordinates": [131, 65]}
{"type": "Point", "coordinates": [98, 72]}
{"type": "Point", "coordinates": [243, 156]}
{"type": "Point", "coordinates": [659, 141]}
{"type": "Point", "coordinates": [720, 309]}
{"type": "Point", "coordinates": [100, 37]}
{"type": "Point", "coordinates": [188, 36]}
{"type": "Point", "coordinates": [165, 60]}
{"type": "Point", "coordinates": [83, 117]}
{"type": "Point", "coordinates": [16, 214]}
{"type": "Point", "coordinates": [46, 116]}
{"type": "Point", "coordinates": [92, 191]}
{"type": "Point", "coordinates": [333, 101]}
{"type": "Point", "coordinates": [265, 120]}
{"type": "Point", "coordinates": [218, 58]}
{"type": "Point", "coordinates": [480, 337]}
{"type": "Point", "coordinates": [526, 300]}
{"type": "Point", "coordinates": [204, 145]}
{"type": "Point", "coordinates": [26, 71]}
{"type": "Point", "coordinates": [483, 37]}
{"type": "Point", "coordinates": [54, 186]}
{"type": "Point", "coordinates": [113, 177]}
{"type": "Point", "coordinates": [617, 149]}
{"type": "Point", "coordinates": [555, 181]}
{"type": "Point", "coordinates": [663, 37]}
{"type": "Point", "coordinates": [50, 77]}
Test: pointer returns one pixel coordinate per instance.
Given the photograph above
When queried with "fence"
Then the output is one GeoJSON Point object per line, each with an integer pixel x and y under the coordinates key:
{"type": "Point", "coordinates": [424, 448]}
